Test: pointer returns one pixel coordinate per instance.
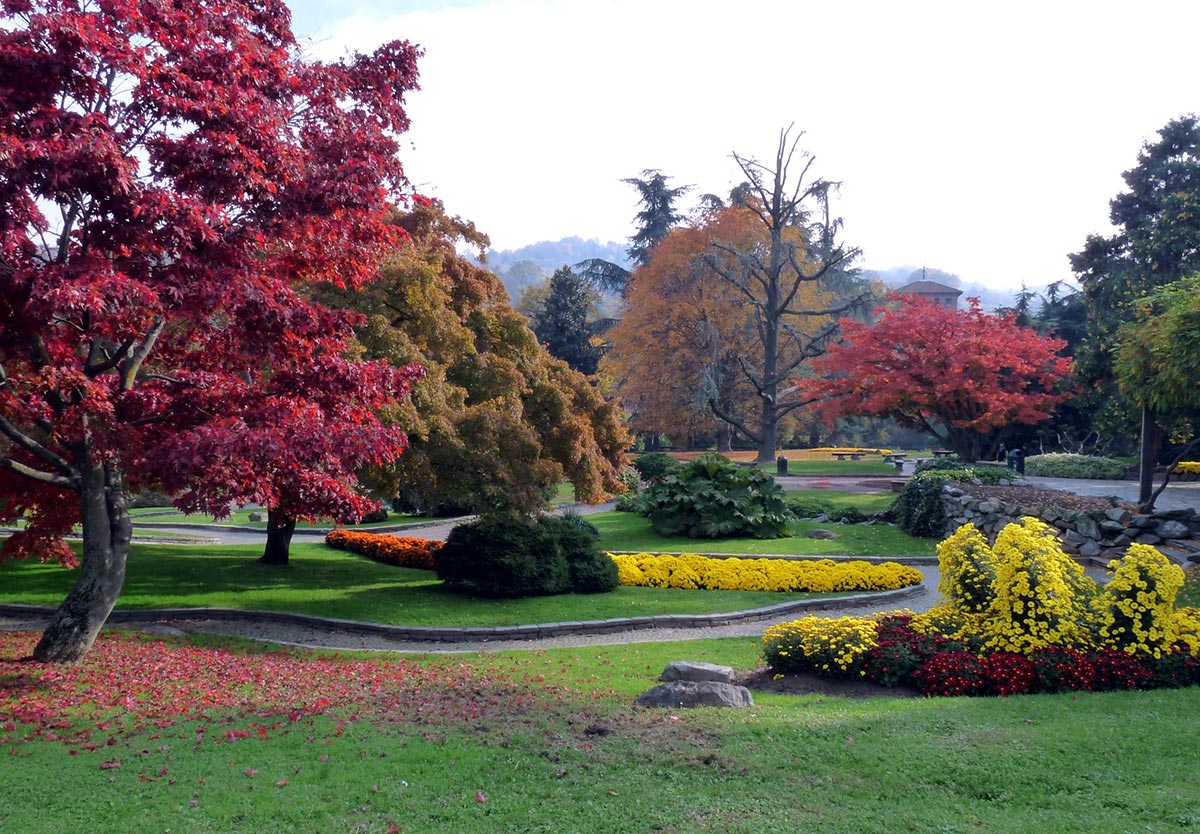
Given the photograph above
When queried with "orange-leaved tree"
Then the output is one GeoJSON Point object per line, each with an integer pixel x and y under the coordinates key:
{"type": "Point", "coordinates": [677, 344]}
{"type": "Point", "coordinates": [960, 375]}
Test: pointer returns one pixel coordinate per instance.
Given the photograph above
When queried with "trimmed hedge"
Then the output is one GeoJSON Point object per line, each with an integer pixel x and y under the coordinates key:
{"type": "Point", "coordinates": [1074, 466]}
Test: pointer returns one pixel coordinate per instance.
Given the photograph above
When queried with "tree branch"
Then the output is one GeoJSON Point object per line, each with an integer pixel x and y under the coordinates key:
{"type": "Point", "coordinates": [37, 449]}
{"type": "Point", "coordinates": [733, 421]}
{"type": "Point", "coordinates": [134, 365]}
{"type": "Point", "coordinates": [38, 475]}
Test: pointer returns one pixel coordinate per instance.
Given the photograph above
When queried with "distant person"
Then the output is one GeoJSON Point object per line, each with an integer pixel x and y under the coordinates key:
{"type": "Point", "coordinates": [1002, 455]}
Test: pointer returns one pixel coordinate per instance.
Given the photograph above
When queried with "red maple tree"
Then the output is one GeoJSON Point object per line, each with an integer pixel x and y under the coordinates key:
{"type": "Point", "coordinates": [959, 375]}
{"type": "Point", "coordinates": [172, 177]}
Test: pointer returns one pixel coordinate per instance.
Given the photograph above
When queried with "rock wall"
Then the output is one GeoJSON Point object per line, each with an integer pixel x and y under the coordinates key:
{"type": "Point", "coordinates": [1103, 534]}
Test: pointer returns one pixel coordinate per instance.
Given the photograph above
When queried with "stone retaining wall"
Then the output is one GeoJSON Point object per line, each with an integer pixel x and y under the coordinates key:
{"type": "Point", "coordinates": [1087, 533]}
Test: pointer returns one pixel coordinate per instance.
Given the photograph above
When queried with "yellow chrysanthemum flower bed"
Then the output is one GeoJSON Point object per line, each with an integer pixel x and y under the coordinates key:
{"type": "Point", "coordinates": [1187, 467]}
{"type": "Point", "coordinates": [691, 571]}
{"type": "Point", "coordinates": [823, 644]}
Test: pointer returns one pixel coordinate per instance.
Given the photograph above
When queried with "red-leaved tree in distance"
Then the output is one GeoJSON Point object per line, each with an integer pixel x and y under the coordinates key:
{"type": "Point", "coordinates": [959, 375]}
{"type": "Point", "coordinates": [172, 177]}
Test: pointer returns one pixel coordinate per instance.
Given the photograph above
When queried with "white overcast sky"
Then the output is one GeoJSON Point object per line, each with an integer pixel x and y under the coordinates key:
{"type": "Point", "coordinates": [981, 138]}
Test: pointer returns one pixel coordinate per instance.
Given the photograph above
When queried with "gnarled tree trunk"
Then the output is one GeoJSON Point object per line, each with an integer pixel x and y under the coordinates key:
{"type": "Point", "coordinates": [280, 526]}
{"type": "Point", "coordinates": [106, 532]}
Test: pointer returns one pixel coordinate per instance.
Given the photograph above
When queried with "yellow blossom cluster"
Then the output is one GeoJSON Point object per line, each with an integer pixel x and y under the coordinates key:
{"type": "Point", "coordinates": [850, 450]}
{"type": "Point", "coordinates": [1186, 622]}
{"type": "Point", "coordinates": [1137, 605]}
{"type": "Point", "coordinates": [968, 569]}
{"type": "Point", "coordinates": [1187, 467]}
{"type": "Point", "coordinates": [832, 646]}
{"type": "Point", "coordinates": [1042, 597]}
{"type": "Point", "coordinates": [690, 570]}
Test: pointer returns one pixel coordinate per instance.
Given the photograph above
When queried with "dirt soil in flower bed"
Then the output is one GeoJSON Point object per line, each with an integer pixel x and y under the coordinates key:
{"type": "Point", "coordinates": [764, 680]}
{"type": "Point", "coordinates": [1034, 496]}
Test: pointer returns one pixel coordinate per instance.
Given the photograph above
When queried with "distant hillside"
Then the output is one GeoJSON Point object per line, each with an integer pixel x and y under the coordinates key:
{"type": "Point", "coordinates": [518, 268]}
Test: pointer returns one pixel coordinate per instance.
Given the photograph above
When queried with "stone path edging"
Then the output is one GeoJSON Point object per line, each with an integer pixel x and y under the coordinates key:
{"type": "Point", "coordinates": [431, 634]}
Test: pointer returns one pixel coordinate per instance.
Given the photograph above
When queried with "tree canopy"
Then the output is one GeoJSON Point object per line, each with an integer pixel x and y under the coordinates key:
{"type": "Point", "coordinates": [172, 176]}
{"type": "Point", "coordinates": [498, 422]}
{"type": "Point", "coordinates": [960, 375]}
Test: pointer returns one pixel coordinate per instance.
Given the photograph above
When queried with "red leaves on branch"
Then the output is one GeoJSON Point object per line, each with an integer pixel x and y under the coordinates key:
{"type": "Point", "coordinates": [925, 365]}
{"type": "Point", "coordinates": [174, 178]}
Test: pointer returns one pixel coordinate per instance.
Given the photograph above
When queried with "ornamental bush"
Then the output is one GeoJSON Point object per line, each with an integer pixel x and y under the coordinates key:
{"type": "Point", "coordinates": [1074, 466]}
{"type": "Point", "coordinates": [919, 510]}
{"type": "Point", "coordinates": [968, 571]}
{"type": "Point", "coordinates": [655, 465]}
{"type": "Point", "coordinates": [589, 569]}
{"type": "Point", "coordinates": [1137, 605]}
{"type": "Point", "coordinates": [1042, 597]}
{"type": "Point", "coordinates": [709, 498]}
{"type": "Point", "coordinates": [834, 647]}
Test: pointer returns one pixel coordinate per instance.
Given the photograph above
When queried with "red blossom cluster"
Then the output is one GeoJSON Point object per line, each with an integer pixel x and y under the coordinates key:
{"type": "Point", "coordinates": [941, 667]}
{"type": "Point", "coordinates": [401, 551]}
{"type": "Point", "coordinates": [128, 684]}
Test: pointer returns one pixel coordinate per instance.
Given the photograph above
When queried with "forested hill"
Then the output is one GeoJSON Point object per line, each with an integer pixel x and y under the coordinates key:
{"type": "Point", "coordinates": [531, 264]}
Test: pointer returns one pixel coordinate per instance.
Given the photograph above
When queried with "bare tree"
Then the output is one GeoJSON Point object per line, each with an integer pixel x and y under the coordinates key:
{"type": "Point", "coordinates": [800, 250]}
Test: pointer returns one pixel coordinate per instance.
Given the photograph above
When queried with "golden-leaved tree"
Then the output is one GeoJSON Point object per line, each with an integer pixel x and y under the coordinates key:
{"type": "Point", "coordinates": [498, 422]}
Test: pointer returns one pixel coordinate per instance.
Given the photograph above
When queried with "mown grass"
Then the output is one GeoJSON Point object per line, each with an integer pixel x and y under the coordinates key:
{"type": "Point", "coordinates": [572, 755]}
{"type": "Point", "coordinates": [630, 532]}
{"type": "Point", "coordinates": [867, 502]}
{"type": "Point", "coordinates": [148, 517]}
{"type": "Point", "coordinates": [329, 583]}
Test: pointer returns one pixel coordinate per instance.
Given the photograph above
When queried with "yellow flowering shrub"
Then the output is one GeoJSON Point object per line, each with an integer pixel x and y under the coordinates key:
{"type": "Point", "coordinates": [1042, 597]}
{"type": "Point", "coordinates": [1186, 623]}
{"type": "Point", "coordinates": [820, 644]}
{"type": "Point", "coordinates": [690, 570]}
{"type": "Point", "coordinates": [1137, 604]}
{"type": "Point", "coordinates": [1187, 467]}
{"type": "Point", "coordinates": [968, 568]}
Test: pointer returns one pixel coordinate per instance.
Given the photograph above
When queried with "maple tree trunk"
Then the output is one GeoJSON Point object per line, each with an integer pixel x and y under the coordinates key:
{"type": "Point", "coordinates": [280, 527]}
{"type": "Point", "coordinates": [106, 532]}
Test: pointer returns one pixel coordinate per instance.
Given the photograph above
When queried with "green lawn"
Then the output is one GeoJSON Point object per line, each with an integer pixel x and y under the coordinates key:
{"type": "Point", "coordinates": [547, 742]}
{"type": "Point", "coordinates": [866, 466]}
{"type": "Point", "coordinates": [869, 502]}
{"type": "Point", "coordinates": [630, 532]}
{"type": "Point", "coordinates": [332, 583]}
{"type": "Point", "coordinates": [150, 516]}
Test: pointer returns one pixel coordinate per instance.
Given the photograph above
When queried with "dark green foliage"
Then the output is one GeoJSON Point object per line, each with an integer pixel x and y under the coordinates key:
{"type": "Point", "coordinates": [564, 325]}
{"type": "Point", "coordinates": [956, 469]}
{"type": "Point", "coordinates": [506, 557]}
{"type": "Point", "coordinates": [710, 498]}
{"type": "Point", "coordinates": [655, 465]}
{"type": "Point", "coordinates": [590, 569]}
{"type": "Point", "coordinates": [1074, 466]}
{"type": "Point", "coordinates": [807, 507]}
{"type": "Point", "coordinates": [918, 509]}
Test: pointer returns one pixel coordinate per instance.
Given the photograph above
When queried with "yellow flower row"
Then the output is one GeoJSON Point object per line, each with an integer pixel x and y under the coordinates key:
{"type": "Point", "coordinates": [1187, 467]}
{"type": "Point", "coordinates": [850, 450]}
{"type": "Point", "coordinates": [690, 570]}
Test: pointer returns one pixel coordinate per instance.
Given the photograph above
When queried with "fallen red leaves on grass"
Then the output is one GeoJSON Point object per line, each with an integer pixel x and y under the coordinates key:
{"type": "Point", "coordinates": [128, 684]}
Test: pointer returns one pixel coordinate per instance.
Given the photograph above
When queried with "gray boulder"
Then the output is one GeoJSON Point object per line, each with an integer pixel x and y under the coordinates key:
{"type": "Point", "coordinates": [1173, 530]}
{"type": "Point", "coordinates": [696, 694]}
{"type": "Point", "coordinates": [820, 534]}
{"type": "Point", "coordinates": [688, 670]}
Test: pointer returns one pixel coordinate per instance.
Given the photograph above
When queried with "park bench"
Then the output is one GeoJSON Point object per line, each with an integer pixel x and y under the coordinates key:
{"type": "Point", "coordinates": [942, 453]}
{"type": "Point", "coordinates": [851, 455]}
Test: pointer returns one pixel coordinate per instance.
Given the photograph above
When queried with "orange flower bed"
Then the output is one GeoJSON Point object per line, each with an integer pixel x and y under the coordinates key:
{"type": "Point", "coordinates": [401, 551]}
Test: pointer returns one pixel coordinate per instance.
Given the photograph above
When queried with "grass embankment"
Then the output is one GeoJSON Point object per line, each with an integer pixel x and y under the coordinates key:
{"type": "Point", "coordinates": [548, 742]}
{"type": "Point", "coordinates": [330, 583]}
{"type": "Point", "coordinates": [629, 532]}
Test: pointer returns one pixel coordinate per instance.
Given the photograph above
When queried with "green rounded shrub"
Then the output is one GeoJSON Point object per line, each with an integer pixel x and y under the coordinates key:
{"type": "Point", "coordinates": [1074, 466]}
{"type": "Point", "coordinates": [590, 570]}
{"type": "Point", "coordinates": [655, 465]}
{"type": "Point", "coordinates": [506, 557]}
